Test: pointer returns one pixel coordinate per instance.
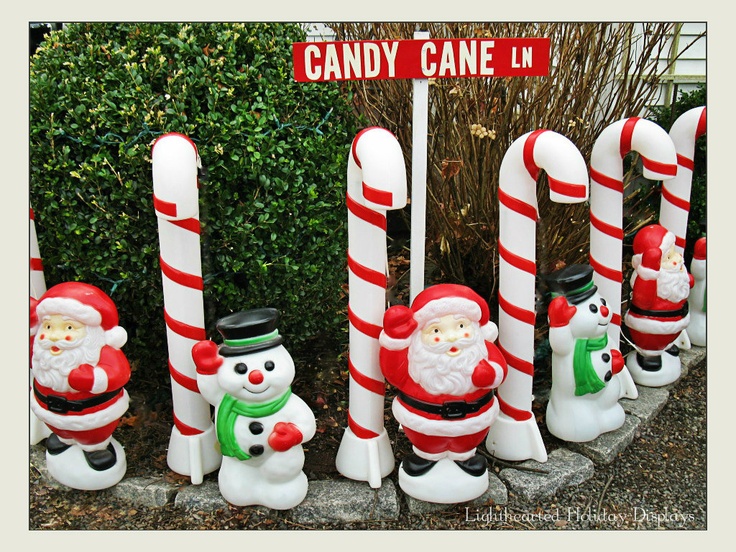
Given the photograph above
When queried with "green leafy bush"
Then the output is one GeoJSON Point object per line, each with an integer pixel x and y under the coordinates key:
{"type": "Point", "coordinates": [275, 152]}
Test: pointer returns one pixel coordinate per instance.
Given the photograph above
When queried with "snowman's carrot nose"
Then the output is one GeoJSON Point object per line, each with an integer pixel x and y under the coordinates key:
{"type": "Point", "coordinates": [255, 377]}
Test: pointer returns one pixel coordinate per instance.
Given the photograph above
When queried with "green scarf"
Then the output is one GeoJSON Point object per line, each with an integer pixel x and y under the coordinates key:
{"type": "Point", "coordinates": [229, 410]}
{"type": "Point", "coordinates": [586, 379]}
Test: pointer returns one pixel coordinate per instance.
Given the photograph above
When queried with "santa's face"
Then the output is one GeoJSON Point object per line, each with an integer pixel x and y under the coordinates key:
{"type": "Point", "coordinates": [449, 335]}
{"type": "Point", "coordinates": [672, 261]}
{"type": "Point", "coordinates": [62, 333]}
{"type": "Point", "coordinates": [257, 377]}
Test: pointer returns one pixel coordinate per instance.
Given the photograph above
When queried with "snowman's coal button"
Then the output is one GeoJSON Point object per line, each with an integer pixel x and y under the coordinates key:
{"type": "Point", "coordinates": [608, 376]}
{"type": "Point", "coordinates": [606, 357]}
{"type": "Point", "coordinates": [256, 428]}
{"type": "Point", "coordinates": [255, 450]}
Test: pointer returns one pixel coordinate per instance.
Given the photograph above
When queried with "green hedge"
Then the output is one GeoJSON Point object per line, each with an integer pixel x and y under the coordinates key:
{"type": "Point", "coordinates": [275, 153]}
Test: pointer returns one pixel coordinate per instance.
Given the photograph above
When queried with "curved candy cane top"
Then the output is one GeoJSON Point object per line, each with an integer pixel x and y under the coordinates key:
{"type": "Point", "coordinates": [675, 206]}
{"type": "Point", "coordinates": [376, 171]}
{"type": "Point", "coordinates": [175, 185]}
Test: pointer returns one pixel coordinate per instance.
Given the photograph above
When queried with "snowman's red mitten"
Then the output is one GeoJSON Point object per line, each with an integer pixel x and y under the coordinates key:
{"type": "Point", "coordinates": [559, 312]}
{"type": "Point", "coordinates": [82, 378]}
{"type": "Point", "coordinates": [284, 436]}
{"type": "Point", "coordinates": [398, 322]}
{"type": "Point", "coordinates": [484, 374]}
{"type": "Point", "coordinates": [617, 361]}
{"type": "Point", "coordinates": [206, 358]}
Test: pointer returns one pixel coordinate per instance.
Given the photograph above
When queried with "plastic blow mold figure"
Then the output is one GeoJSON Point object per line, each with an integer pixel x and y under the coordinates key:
{"type": "Point", "coordinates": [658, 311]}
{"type": "Point", "coordinates": [583, 401]}
{"type": "Point", "coordinates": [440, 357]}
{"type": "Point", "coordinates": [696, 329]}
{"type": "Point", "coordinates": [78, 376]}
{"type": "Point", "coordinates": [260, 423]}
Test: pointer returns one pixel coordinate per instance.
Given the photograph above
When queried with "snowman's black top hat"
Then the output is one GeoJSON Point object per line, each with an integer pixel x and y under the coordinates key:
{"type": "Point", "coordinates": [249, 331]}
{"type": "Point", "coordinates": [575, 282]}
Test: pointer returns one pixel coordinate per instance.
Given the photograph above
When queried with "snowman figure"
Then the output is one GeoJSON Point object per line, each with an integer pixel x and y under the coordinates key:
{"type": "Point", "coordinates": [696, 328]}
{"type": "Point", "coordinates": [260, 424]}
{"type": "Point", "coordinates": [583, 401]}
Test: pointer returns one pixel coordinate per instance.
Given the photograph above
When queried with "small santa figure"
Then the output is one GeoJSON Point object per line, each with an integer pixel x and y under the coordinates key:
{"type": "Point", "coordinates": [78, 376]}
{"type": "Point", "coordinates": [658, 309]}
{"type": "Point", "coordinates": [440, 357]}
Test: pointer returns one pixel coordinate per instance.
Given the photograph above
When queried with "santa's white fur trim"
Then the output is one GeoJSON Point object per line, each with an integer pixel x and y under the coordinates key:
{"type": "Point", "coordinates": [392, 343]}
{"type": "Point", "coordinates": [498, 380]}
{"type": "Point", "coordinates": [654, 325]}
{"type": "Point", "coordinates": [447, 305]}
{"type": "Point", "coordinates": [72, 422]}
{"type": "Point", "coordinates": [100, 381]}
{"type": "Point", "coordinates": [72, 308]}
{"type": "Point", "coordinates": [116, 337]}
{"type": "Point", "coordinates": [444, 428]}
{"type": "Point", "coordinates": [489, 332]}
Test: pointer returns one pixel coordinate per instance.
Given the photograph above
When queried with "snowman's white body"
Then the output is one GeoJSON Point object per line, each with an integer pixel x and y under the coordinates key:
{"type": "Point", "coordinates": [697, 325]}
{"type": "Point", "coordinates": [269, 478]}
{"type": "Point", "coordinates": [582, 418]}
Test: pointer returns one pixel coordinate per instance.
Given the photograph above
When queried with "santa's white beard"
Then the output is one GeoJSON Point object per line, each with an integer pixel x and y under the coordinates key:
{"type": "Point", "coordinates": [52, 370]}
{"type": "Point", "coordinates": [673, 284]}
{"type": "Point", "coordinates": [439, 373]}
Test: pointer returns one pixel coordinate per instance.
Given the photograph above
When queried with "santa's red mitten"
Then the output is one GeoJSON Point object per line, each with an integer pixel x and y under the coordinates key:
{"type": "Point", "coordinates": [617, 361]}
{"type": "Point", "coordinates": [652, 259]}
{"type": "Point", "coordinates": [484, 374]}
{"type": "Point", "coordinates": [82, 378]}
{"type": "Point", "coordinates": [34, 315]}
{"type": "Point", "coordinates": [206, 357]}
{"type": "Point", "coordinates": [284, 436]}
{"type": "Point", "coordinates": [560, 312]}
{"type": "Point", "coordinates": [398, 322]}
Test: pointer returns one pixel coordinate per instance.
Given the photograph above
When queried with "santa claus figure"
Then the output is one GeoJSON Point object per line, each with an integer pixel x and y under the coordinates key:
{"type": "Point", "coordinates": [78, 376]}
{"type": "Point", "coordinates": [658, 309]}
{"type": "Point", "coordinates": [440, 357]}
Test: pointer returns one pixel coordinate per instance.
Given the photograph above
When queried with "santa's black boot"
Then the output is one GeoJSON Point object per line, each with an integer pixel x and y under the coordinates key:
{"type": "Point", "coordinates": [649, 363]}
{"type": "Point", "coordinates": [54, 445]}
{"type": "Point", "coordinates": [101, 460]}
{"type": "Point", "coordinates": [415, 465]}
{"type": "Point", "coordinates": [476, 465]}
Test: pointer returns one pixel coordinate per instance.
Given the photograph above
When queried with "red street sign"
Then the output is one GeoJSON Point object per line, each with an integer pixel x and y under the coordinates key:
{"type": "Point", "coordinates": [421, 59]}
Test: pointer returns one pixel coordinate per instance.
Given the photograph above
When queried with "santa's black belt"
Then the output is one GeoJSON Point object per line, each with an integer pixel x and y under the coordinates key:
{"type": "Point", "coordinates": [679, 313]}
{"type": "Point", "coordinates": [449, 410]}
{"type": "Point", "coordinates": [62, 405]}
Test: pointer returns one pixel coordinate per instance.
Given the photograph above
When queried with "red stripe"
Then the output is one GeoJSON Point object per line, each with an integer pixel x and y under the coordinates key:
{"type": "Point", "coordinates": [616, 319]}
{"type": "Point", "coordinates": [662, 168]}
{"type": "Point", "coordinates": [184, 429]}
{"type": "Point", "coordinates": [378, 197]}
{"type": "Point", "coordinates": [700, 130]}
{"type": "Point", "coordinates": [608, 229]}
{"type": "Point", "coordinates": [675, 200]}
{"type": "Point", "coordinates": [359, 431]}
{"type": "Point", "coordinates": [680, 242]}
{"type": "Point", "coordinates": [528, 154]}
{"type": "Point", "coordinates": [515, 413]}
{"type": "Point", "coordinates": [516, 363]}
{"type": "Point", "coordinates": [685, 162]}
{"type": "Point", "coordinates": [366, 328]}
{"type": "Point", "coordinates": [181, 379]}
{"type": "Point", "coordinates": [191, 224]}
{"type": "Point", "coordinates": [606, 181]}
{"type": "Point", "coordinates": [517, 205]}
{"type": "Point", "coordinates": [36, 264]}
{"type": "Point", "coordinates": [365, 214]}
{"type": "Point", "coordinates": [372, 385]}
{"type": "Point", "coordinates": [567, 189]}
{"type": "Point", "coordinates": [32, 215]}
{"type": "Point", "coordinates": [179, 277]}
{"type": "Point", "coordinates": [528, 317]}
{"type": "Point", "coordinates": [164, 207]}
{"type": "Point", "coordinates": [626, 134]}
{"type": "Point", "coordinates": [366, 274]}
{"type": "Point", "coordinates": [609, 273]}
{"type": "Point", "coordinates": [517, 261]}
{"type": "Point", "coordinates": [184, 330]}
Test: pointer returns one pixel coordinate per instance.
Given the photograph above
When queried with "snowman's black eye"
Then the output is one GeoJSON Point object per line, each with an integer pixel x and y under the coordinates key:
{"type": "Point", "coordinates": [603, 301]}
{"type": "Point", "coordinates": [593, 308]}
{"type": "Point", "coordinates": [269, 365]}
{"type": "Point", "coordinates": [240, 368]}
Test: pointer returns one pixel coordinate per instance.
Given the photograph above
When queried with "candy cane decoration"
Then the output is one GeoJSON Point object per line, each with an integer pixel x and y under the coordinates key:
{"type": "Point", "coordinates": [515, 435]}
{"type": "Point", "coordinates": [38, 430]}
{"type": "Point", "coordinates": [176, 201]}
{"type": "Point", "coordinates": [607, 198]}
{"type": "Point", "coordinates": [674, 208]}
{"type": "Point", "coordinates": [376, 183]}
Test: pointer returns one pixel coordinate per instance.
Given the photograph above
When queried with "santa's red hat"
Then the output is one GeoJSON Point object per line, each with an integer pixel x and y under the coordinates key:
{"type": "Point", "coordinates": [443, 299]}
{"type": "Point", "coordinates": [654, 236]}
{"type": "Point", "coordinates": [87, 304]}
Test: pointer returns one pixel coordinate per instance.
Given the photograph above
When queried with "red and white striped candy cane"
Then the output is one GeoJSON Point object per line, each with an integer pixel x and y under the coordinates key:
{"type": "Point", "coordinates": [515, 434]}
{"type": "Point", "coordinates": [176, 201]}
{"type": "Point", "coordinates": [674, 208]}
{"type": "Point", "coordinates": [376, 183]}
{"type": "Point", "coordinates": [607, 198]}
{"type": "Point", "coordinates": [38, 430]}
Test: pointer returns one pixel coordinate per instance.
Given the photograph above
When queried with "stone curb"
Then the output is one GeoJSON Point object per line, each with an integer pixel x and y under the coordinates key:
{"type": "Point", "coordinates": [343, 500]}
